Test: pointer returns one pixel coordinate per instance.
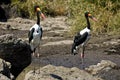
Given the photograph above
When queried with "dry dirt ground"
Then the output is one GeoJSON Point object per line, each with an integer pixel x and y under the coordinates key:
{"type": "Point", "coordinates": [56, 46]}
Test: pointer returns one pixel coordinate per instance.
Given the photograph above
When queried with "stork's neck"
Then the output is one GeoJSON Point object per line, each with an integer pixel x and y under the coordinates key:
{"type": "Point", "coordinates": [88, 23]}
{"type": "Point", "coordinates": [38, 18]}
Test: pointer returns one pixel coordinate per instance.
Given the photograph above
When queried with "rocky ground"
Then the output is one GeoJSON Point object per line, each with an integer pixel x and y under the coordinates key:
{"type": "Point", "coordinates": [56, 44]}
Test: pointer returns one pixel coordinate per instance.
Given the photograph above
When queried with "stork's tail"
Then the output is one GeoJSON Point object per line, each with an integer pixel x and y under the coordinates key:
{"type": "Point", "coordinates": [73, 50]}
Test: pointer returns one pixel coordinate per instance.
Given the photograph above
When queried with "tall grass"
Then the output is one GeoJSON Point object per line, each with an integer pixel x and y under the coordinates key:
{"type": "Point", "coordinates": [106, 11]}
{"type": "Point", "coordinates": [49, 7]}
{"type": "Point", "coordinates": [108, 20]}
{"type": "Point", "coordinates": [25, 8]}
{"type": "Point", "coordinates": [108, 16]}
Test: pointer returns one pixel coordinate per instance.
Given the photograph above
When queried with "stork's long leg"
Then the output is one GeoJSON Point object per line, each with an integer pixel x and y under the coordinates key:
{"type": "Point", "coordinates": [33, 61]}
{"type": "Point", "coordinates": [38, 55]}
{"type": "Point", "coordinates": [82, 56]}
{"type": "Point", "coordinates": [38, 52]}
{"type": "Point", "coordinates": [34, 56]}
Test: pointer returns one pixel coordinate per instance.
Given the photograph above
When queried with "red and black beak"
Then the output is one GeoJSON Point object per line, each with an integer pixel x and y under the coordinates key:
{"type": "Point", "coordinates": [42, 15]}
{"type": "Point", "coordinates": [93, 18]}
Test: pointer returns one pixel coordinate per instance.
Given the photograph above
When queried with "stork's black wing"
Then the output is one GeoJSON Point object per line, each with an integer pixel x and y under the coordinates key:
{"type": "Point", "coordinates": [79, 39]}
{"type": "Point", "coordinates": [30, 34]}
{"type": "Point", "coordinates": [41, 33]}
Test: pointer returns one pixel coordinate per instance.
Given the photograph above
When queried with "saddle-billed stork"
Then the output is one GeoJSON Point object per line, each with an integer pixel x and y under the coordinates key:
{"type": "Point", "coordinates": [82, 37]}
{"type": "Point", "coordinates": [35, 33]}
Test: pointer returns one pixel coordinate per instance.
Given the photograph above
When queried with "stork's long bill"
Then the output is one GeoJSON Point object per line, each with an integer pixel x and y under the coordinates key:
{"type": "Point", "coordinates": [93, 18]}
{"type": "Point", "coordinates": [43, 16]}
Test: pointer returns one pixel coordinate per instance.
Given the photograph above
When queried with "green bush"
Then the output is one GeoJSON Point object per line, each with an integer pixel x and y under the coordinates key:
{"type": "Point", "coordinates": [106, 11]}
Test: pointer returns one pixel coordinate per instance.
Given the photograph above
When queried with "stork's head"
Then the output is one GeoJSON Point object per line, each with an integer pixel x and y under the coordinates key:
{"type": "Point", "coordinates": [87, 14]}
{"type": "Point", "coordinates": [37, 8]}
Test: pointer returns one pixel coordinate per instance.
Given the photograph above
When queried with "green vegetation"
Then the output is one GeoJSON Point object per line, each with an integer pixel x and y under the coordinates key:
{"type": "Point", "coordinates": [106, 11]}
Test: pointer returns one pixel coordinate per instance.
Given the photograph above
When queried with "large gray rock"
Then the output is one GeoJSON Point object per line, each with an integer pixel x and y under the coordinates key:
{"type": "Point", "coordinates": [103, 65]}
{"type": "Point", "coordinates": [114, 49]}
{"type": "Point", "coordinates": [15, 51]}
{"type": "Point", "coordinates": [3, 77]}
{"type": "Point", "coordinates": [114, 46]}
{"type": "Point", "coordinates": [106, 70]}
{"type": "Point", "coordinates": [50, 72]}
{"type": "Point", "coordinates": [5, 70]}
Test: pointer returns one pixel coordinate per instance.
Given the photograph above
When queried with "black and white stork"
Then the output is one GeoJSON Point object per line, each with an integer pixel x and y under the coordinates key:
{"type": "Point", "coordinates": [82, 37]}
{"type": "Point", "coordinates": [35, 33]}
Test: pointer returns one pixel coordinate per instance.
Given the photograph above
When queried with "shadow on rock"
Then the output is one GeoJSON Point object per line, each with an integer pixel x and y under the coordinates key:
{"type": "Point", "coordinates": [56, 76]}
{"type": "Point", "coordinates": [15, 51]}
{"type": "Point", "coordinates": [5, 70]}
